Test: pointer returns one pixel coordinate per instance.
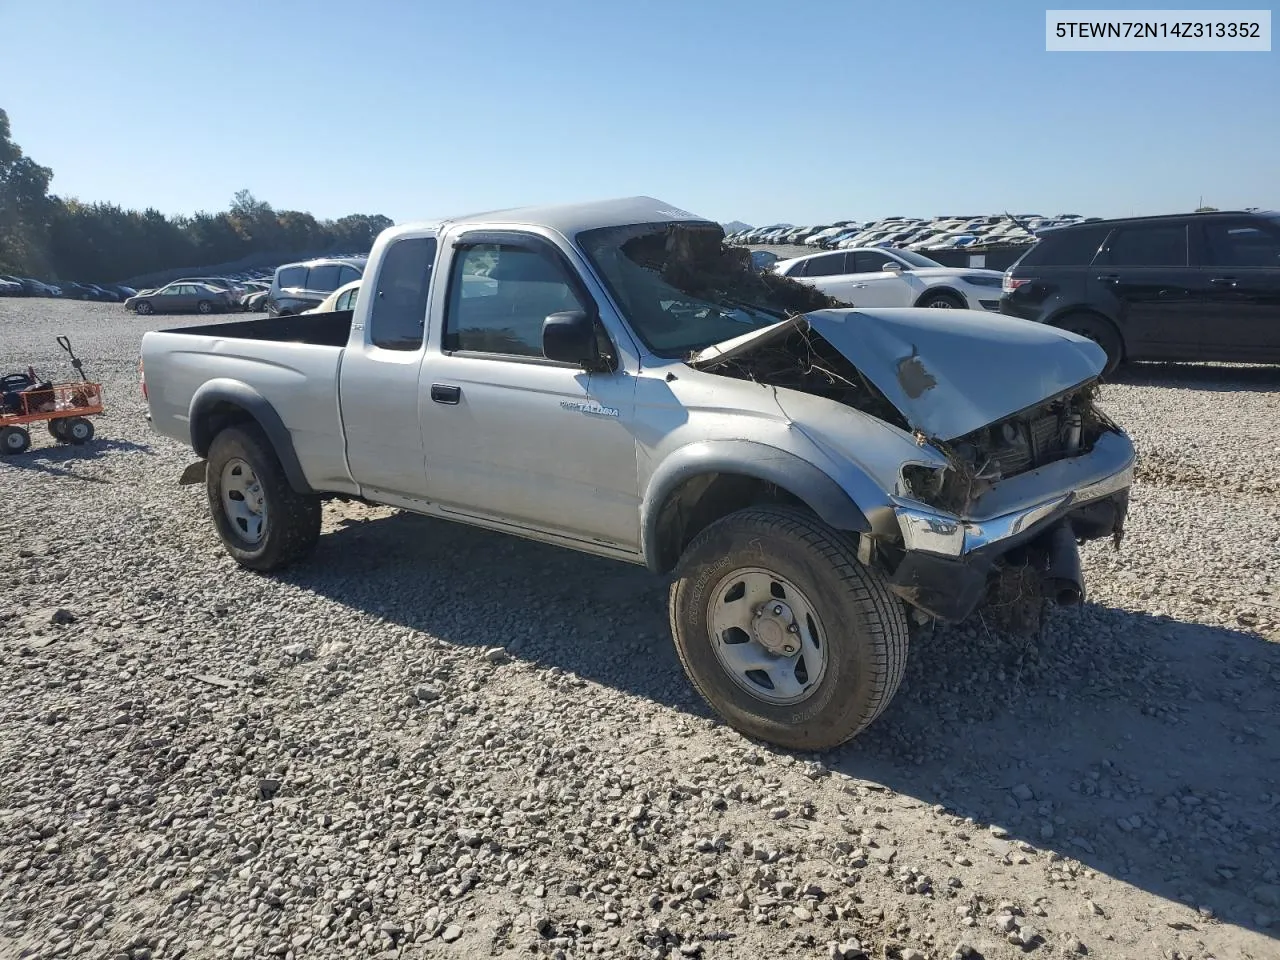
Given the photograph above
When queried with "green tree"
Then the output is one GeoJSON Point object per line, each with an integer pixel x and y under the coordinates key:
{"type": "Point", "coordinates": [64, 238]}
{"type": "Point", "coordinates": [24, 206]}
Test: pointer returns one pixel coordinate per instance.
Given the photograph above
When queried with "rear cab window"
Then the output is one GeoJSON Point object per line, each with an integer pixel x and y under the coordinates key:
{"type": "Point", "coordinates": [398, 315]}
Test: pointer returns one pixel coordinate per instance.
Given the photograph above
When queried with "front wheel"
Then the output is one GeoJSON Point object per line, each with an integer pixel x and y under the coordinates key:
{"type": "Point", "coordinates": [943, 301]}
{"type": "Point", "coordinates": [143, 309]}
{"type": "Point", "coordinates": [784, 633]}
{"type": "Point", "coordinates": [264, 523]}
{"type": "Point", "coordinates": [204, 306]}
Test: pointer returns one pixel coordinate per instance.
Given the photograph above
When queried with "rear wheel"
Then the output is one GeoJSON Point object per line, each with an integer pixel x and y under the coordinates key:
{"type": "Point", "coordinates": [14, 440]}
{"type": "Point", "coordinates": [264, 523]}
{"type": "Point", "coordinates": [58, 429]}
{"type": "Point", "coordinates": [77, 430]}
{"type": "Point", "coordinates": [783, 631]}
{"type": "Point", "coordinates": [1100, 332]}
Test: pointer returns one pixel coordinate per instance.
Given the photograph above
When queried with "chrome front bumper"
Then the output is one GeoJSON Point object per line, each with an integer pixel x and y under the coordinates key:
{"type": "Point", "coordinates": [928, 530]}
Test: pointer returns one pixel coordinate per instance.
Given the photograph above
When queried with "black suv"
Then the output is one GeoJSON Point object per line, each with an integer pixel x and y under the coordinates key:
{"type": "Point", "coordinates": [1197, 286]}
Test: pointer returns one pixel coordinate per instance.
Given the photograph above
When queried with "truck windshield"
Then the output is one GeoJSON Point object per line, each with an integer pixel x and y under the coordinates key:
{"type": "Point", "coordinates": [682, 289]}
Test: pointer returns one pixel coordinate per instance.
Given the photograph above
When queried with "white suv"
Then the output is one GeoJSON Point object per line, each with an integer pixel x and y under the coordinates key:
{"type": "Point", "coordinates": [884, 277]}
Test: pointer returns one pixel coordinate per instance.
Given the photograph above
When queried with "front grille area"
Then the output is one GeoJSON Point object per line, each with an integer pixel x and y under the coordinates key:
{"type": "Point", "coordinates": [1018, 444]}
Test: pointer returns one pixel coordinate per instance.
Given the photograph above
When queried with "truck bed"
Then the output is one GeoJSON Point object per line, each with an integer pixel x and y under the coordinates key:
{"type": "Point", "coordinates": [291, 363]}
{"type": "Point", "coordinates": [320, 329]}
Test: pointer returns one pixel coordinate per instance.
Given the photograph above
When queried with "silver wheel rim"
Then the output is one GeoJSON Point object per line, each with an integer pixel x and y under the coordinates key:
{"type": "Point", "coordinates": [78, 431]}
{"type": "Point", "coordinates": [767, 636]}
{"type": "Point", "coordinates": [942, 305]}
{"type": "Point", "coordinates": [13, 440]}
{"type": "Point", "coordinates": [203, 307]}
{"type": "Point", "coordinates": [243, 501]}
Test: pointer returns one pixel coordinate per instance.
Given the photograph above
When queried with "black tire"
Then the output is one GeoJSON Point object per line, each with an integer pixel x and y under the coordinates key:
{"type": "Point", "coordinates": [204, 306]}
{"type": "Point", "coordinates": [1100, 332]}
{"type": "Point", "coordinates": [864, 626]}
{"type": "Point", "coordinates": [143, 309]}
{"type": "Point", "coordinates": [292, 520]}
{"type": "Point", "coordinates": [58, 429]}
{"type": "Point", "coordinates": [942, 300]}
{"type": "Point", "coordinates": [77, 430]}
{"type": "Point", "coordinates": [14, 440]}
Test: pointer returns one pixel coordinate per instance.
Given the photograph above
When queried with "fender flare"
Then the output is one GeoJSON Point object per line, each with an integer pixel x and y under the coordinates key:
{"type": "Point", "coordinates": [259, 409]}
{"type": "Point", "coordinates": [797, 476]}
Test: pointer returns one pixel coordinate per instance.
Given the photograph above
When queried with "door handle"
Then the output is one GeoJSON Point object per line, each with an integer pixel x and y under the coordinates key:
{"type": "Point", "coordinates": [445, 393]}
{"type": "Point", "coordinates": [1109, 277]}
{"type": "Point", "coordinates": [1225, 281]}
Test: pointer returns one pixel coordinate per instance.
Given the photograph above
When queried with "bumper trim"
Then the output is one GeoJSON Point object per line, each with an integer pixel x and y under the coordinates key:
{"type": "Point", "coordinates": [930, 531]}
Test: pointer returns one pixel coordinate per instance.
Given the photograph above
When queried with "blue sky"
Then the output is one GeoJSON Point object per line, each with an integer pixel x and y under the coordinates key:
{"type": "Point", "coordinates": [804, 111]}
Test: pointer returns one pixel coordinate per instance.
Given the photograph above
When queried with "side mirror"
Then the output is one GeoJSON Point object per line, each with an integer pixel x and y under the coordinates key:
{"type": "Point", "coordinates": [892, 266]}
{"type": "Point", "coordinates": [570, 337]}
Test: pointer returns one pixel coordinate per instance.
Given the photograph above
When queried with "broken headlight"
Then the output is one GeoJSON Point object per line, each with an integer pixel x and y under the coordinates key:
{"type": "Point", "coordinates": [922, 481]}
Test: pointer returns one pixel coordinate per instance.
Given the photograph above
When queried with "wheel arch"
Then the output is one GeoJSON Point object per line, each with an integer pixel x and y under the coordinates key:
{"type": "Point", "coordinates": [1056, 318]}
{"type": "Point", "coordinates": [704, 481]}
{"type": "Point", "coordinates": [222, 403]}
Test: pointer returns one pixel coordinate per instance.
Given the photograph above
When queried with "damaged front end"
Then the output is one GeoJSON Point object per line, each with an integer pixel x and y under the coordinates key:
{"type": "Point", "coordinates": [990, 514]}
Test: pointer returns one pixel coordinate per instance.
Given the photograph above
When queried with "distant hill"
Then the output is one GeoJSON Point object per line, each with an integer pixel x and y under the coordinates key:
{"type": "Point", "coordinates": [733, 226]}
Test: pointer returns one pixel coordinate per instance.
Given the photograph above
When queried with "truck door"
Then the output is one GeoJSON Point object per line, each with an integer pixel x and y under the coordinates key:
{"type": "Point", "coordinates": [511, 436]}
{"type": "Point", "coordinates": [378, 382]}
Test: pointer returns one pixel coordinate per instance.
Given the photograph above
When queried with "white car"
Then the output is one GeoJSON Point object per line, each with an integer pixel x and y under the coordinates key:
{"type": "Point", "coordinates": [344, 298]}
{"type": "Point", "coordinates": [884, 277]}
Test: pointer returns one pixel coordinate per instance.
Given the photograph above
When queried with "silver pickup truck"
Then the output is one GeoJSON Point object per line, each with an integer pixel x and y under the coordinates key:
{"type": "Point", "coordinates": [610, 377]}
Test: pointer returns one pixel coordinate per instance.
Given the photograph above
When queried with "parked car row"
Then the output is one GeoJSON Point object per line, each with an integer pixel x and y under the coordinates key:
{"type": "Point", "coordinates": [289, 289]}
{"type": "Point", "coordinates": [911, 233]}
{"type": "Point", "coordinates": [11, 286]}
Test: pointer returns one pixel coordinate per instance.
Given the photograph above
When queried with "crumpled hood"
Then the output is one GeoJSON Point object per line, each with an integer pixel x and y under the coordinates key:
{"type": "Point", "coordinates": [948, 372]}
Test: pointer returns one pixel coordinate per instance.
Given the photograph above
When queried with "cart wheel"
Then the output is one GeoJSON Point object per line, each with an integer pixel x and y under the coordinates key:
{"type": "Point", "coordinates": [78, 430]}
{"type": "Point", "coordinates": [58, 429]}
{"type": "Point", "coordinates": [14, 440]}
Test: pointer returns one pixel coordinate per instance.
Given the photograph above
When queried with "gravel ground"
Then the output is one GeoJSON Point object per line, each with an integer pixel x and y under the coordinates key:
{"type": "Point", "coordinates": [431, 741]}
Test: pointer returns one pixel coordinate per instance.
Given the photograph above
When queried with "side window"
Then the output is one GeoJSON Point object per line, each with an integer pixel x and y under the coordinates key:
{"type": "Point", "coordinates": [347, 273]}
{"type": "Point", "coordinates": [323, 278]}
{"type": "Point", "coordinates": [830, 265]}
{"type": "Point", "coordinates": [398, 316]}
{"type": "Point", "coordinates": [346, 301]}
{"type": "Point", "coordinates": [292, 277]}
{"type": "Point", "coordinates": [500, 294]}
{"type": "Point", "coordinates": [865, 262]}
{"type": "Point", "coordinates": [1241, 245]}
{"type": "Point", "coordinates": [1074, 247]}
{"type": "Point", "coordinates": [1148, 246]}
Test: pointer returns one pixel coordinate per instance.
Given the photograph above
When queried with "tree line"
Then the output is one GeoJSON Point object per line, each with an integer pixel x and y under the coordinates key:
{"type": "Point", "coordinates": [53, 238]}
